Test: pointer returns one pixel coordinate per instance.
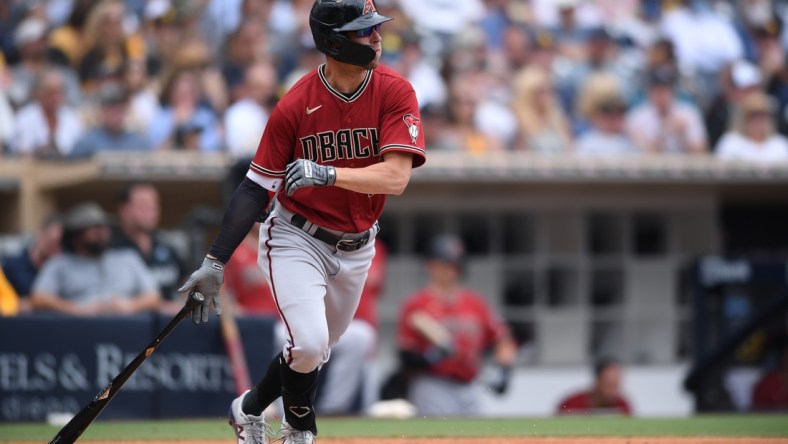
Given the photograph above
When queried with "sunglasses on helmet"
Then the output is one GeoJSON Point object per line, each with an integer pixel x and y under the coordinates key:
{"type": "Point", "coordinates": [366, 32]}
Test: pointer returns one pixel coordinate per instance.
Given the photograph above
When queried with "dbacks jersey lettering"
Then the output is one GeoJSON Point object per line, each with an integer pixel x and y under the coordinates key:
{"type": "Point", "coordinates": [314, 121]}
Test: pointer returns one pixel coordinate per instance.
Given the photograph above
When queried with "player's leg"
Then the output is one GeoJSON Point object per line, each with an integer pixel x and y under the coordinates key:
{"type": "Point", "coordinates": [297, 267]}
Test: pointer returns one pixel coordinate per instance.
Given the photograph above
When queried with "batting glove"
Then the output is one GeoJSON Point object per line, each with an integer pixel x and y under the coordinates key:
{"type": "Point", "coordinates": [206, 280]}
{"type": "Point", "coordinates": [305, 173]}
{"type": "Point", "coordinates": [499, 382]}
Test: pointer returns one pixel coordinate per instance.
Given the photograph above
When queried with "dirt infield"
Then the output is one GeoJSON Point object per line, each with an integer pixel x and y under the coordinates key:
{"type": "Point", "coordinates": [507, 440]}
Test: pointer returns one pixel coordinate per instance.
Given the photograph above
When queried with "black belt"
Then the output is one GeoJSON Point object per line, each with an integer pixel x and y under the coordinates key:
{"type": "Point", "coordinates": [330, 238]}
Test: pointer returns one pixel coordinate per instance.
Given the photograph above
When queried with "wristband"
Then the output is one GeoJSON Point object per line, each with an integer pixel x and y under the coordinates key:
{"type": "Point", "coordinates": [332, 175]}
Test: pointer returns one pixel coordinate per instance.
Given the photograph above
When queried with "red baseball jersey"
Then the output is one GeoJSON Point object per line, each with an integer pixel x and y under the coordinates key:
{"type": "Point", "coordinates": [473, 326]}
{"type": "Point", "coordinates": [316, 122]}
{"type": "Point", "coordinates": [584, 403]}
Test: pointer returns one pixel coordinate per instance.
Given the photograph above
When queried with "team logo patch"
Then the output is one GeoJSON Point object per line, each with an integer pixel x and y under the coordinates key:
{"type": "Point", "coordinates": [369, 7]}
{"type": "Point", "coordinates": [413, 123]}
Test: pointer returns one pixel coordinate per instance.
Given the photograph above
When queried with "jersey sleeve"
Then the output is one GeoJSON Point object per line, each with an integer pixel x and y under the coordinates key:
{"type": "Point", "coordinates": [400, 127]}
{"type": "Point", "coordinates": [274, 152]}
{"type": "Point", "coordinates": [494, 328]}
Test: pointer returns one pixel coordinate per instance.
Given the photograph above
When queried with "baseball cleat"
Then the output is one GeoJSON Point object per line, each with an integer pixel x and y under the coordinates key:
{"type": "Point", "coordinates": [293, 436]}
{"type": "Point", "coordinates": [249, 429]}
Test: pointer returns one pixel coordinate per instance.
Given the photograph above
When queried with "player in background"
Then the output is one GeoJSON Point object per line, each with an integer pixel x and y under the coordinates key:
{"type": "Point", "coordinates": [344, 137]}
{"type": "Point", "coordinates": [443, 333]}
{"type": "Point", "coordinates": [604, 397]}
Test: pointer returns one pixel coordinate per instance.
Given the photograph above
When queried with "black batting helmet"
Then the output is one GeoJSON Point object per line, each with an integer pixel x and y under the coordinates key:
{"type": "Point", "coordinates": [330, 19]}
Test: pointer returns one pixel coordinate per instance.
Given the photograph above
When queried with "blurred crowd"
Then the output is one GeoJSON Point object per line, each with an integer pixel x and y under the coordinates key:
{"type": "Point", "coordinates": [595, 77]}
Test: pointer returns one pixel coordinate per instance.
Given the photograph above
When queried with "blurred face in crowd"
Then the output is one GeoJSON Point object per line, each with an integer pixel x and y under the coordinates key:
{"type": "Point", "coordinates": [609, 117]}
{"type": "Point", "coordinates": [50, 92]}
{"type": "Point", "coordinates": [661, 97]}
{"type": "Point", "coordinates": [112, 24]}
{"type": "Point", "coordinates": [141, 213]}
{"type": "Point", "coordinates": [92, 241]}
{"type": "Point", "coordinates": [136, 75]}
{"type": "Point", "coordinates": [261, 82]}
{"type": "Point", "coordinates": [758, 124]}
{"type": "Point", "coordinates": [114, 116]}
{"type": "Point", "coordinates": [48, 243]}
{"type": "Point", "coordinates": [443, 273]}
{"type": "Point", "coordinates": [185, 90]}
{"type": "Point", "coordinates": [608, 384]}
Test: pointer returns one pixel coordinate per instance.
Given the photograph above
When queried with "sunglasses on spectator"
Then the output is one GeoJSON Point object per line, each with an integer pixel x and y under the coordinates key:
{"type": "Point", "coordinates": [366, 32]}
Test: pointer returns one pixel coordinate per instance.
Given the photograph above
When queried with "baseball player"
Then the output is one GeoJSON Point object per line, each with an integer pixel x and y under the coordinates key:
{"type": "Point", "coordinates": [443, 332]}
{"type": "Point", "coordinates": [344, 136]}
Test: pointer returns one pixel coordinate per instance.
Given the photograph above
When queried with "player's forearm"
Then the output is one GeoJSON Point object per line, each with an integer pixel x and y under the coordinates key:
{"type": "Point", "coordinates": [47, 302]}
{"type": "Point", "coordinates": [246, 205]}
{"type": "Point", "coordinates": [146, 302]}
{"type": "Point", "coordinates": [505, 352]}
{"type": "Point", "coordinates": [388, 177]}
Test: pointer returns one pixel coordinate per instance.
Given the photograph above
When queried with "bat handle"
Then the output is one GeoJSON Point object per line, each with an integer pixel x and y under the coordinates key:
{"type": "Point", "coordinates": [195, 299]}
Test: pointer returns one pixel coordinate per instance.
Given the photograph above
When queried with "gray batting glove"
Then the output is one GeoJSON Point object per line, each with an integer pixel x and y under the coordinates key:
{"type": "Point", "coordinates": [206, 280]}
{"type": "Point", "coordinates": [305, 173]}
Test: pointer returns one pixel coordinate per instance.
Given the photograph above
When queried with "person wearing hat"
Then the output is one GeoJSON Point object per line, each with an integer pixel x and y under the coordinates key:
{"type": "Point", "coordinates": [88, 278]}
{"type": "Point", "coordinates": [663, 123]}
{"type": "Point", "coordinates": [752, 138]}
{"type": "Point", "coordinates": [111, 133]}
{"type": "Point", "coordinates": [34, 59]}
{"type": "Point", "coordinates": [443, 333]}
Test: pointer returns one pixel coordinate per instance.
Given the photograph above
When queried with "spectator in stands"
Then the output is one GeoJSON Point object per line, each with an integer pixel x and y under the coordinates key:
{"type": "Point", "coordinates": [144, 105]}
{"type": "Point", "coordinates": [21, 269]}
{"type": "Point", "coordinates": [184, 121]}
{"type": "Point", "coordinates": [664, 124]}
{"type": "Point", "coordinates": [69, 38]}
{"type": "Point", "coordinates": [736, 80]}
{"type": "Point", "coordinates": [195, 55]}
{"type": "Point", "coordinates": [107, 47]}
{"type": "Point", "coordinates": [771, 391]}
{"type": "Point", "coordinates": [544, 128]}
{"type": "Point", "coordinates": [752, 137]}
{"type": "Point", "coordinates": [704, 39]}
{"type": "Point", "coordinates": [440, 24]}
{"type": "Point", "coordinates": [602, 56]}
{"type": "Point", "coordinates": [245, 119]}
{"type": "Point", "coordinates": [602, 104]}
{"type": "Point", "coordinates": [462, 134]}
{"type": "Point", "coordinates": [138, 211]}
{"type": "Point", "coordinates": [421, 73]}
{"type": "Point", "coordinates": [111, 133]}
{"type": "Point", "coordinates": [245, 47]}
{"type": "Point", "coordinates": [604, 397]}
{"type": "Point", "coordinates": [88, 278]}
{"type": "Point", "coordinates": [443, 333]}
{"type": "Point", "coordinates": [162, 34]}
{"type": "Point", "coordinates": [30, 38]}
{"type": "Point", "coordinates": [47, 127]}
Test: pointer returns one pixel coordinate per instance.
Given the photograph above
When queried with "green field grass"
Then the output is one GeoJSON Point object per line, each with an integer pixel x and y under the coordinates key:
{"type": "Point", "coordinates": [729, 426]}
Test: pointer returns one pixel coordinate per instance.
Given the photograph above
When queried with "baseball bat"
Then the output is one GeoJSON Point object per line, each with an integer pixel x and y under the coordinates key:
{"type": "Point", "coordinates": [235, 350]}
{"type": "Point", "coordinates": [430, 328]}
{"type": "Point", "coordinates": [72, 431]}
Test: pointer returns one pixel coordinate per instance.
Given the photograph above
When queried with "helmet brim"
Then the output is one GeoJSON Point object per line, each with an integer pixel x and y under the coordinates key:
{"type": "Point", "coordinates": [363, 22]}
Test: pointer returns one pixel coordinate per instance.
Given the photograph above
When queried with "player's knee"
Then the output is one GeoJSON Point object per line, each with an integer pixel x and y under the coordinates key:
{"type": "Point", "coordinates": [309, 355]}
